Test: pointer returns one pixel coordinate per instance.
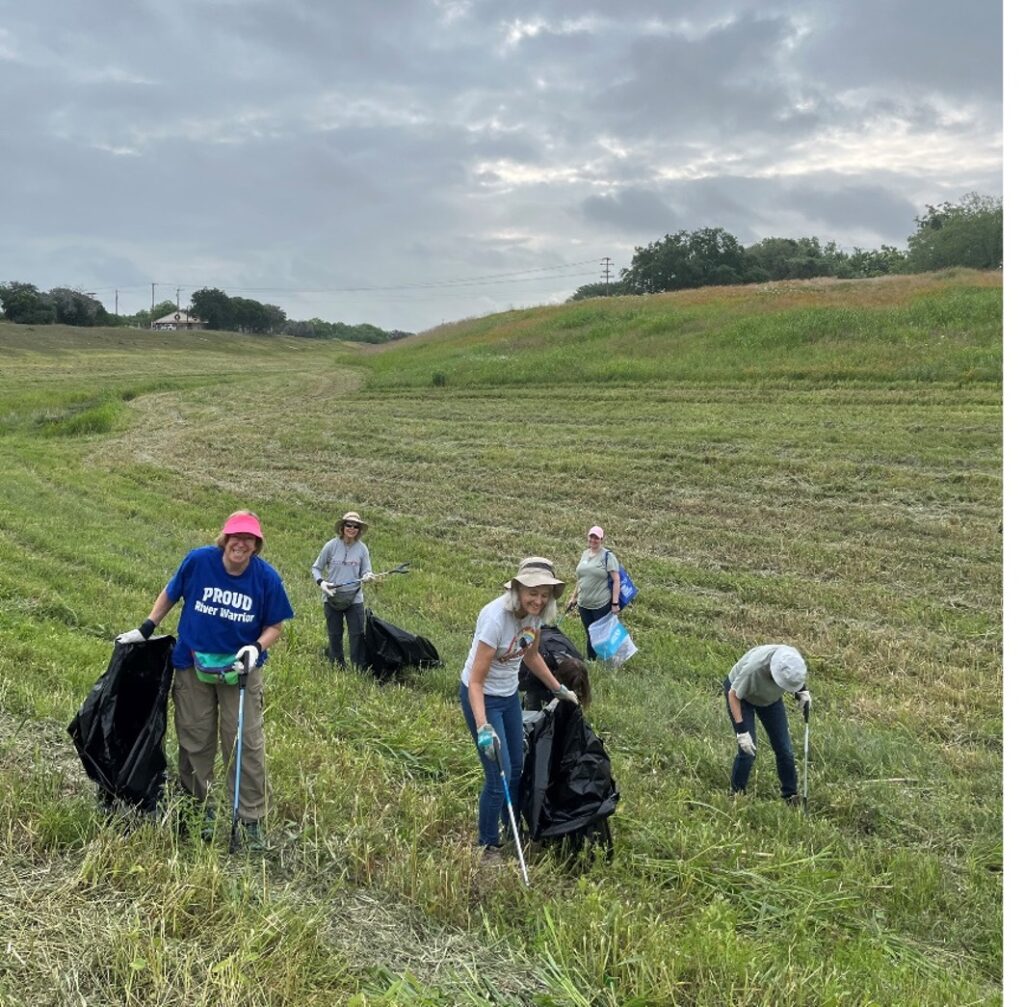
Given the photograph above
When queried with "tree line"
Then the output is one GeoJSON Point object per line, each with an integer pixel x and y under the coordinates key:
{"type": "Point", "coordinates": [968, 233]}
{"type": "Point", "coordinates": [26, 304]}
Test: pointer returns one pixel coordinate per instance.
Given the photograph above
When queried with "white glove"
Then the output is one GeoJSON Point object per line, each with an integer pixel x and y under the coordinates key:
{"type": "Point", "coordinates": [367, 577]}
{"type": "Point", "coordinates": [247, 656]}
{"type": "Point", "coordinates": [327, 587]}
{"type": "Point", "coordinates": [564, 692]}
{"type": "Point", "coordinates": [132, 636]}
{"type": "Point", "coordinates": [746, 743]}
{"type": "Point", "coordinates": [803, 700]}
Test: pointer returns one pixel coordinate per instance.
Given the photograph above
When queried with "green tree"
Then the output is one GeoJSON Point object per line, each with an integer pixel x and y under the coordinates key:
{"type": "Point", "coordinates": [600, 289]}
{"type": "Point", "coordinates": [24, 303]}
{"type": "Point", "coordinates": [686, 259]}
{"type": "Point", "coordinates": [214, 307]}
{"type": "Point", "coordinates": [73, 307]}
{"type": "Point", "coordinates": [968, 233]}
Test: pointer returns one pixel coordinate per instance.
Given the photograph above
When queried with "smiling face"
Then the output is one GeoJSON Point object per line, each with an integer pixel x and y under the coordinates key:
{"type": "Point", "coordinates": [238, 550]}
{"type": "Point", "coordinates": [350, 532]}
{"type": "Point", "coordinates": [533, 600]}
{"type": "Point", "coordinates": [594, 542]}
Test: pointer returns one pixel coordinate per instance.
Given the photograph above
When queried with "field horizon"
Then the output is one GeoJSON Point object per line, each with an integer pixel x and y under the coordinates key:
{"type": "Point", "coordinates": [816, 462]}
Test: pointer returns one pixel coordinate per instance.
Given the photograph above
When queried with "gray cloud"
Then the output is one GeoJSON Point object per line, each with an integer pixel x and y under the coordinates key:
{"type": "Point", "coordinates": [317, 146]}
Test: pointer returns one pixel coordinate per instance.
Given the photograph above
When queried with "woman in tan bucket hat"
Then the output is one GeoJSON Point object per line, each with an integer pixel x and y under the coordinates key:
{"type": "Point", "coordinates": [507, 634]}
{"type": "Point", "coordinates": [340, 571]}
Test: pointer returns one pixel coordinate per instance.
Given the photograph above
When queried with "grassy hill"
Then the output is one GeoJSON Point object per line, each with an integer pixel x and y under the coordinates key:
{"type": "Point", "coordinates": [816, 462]}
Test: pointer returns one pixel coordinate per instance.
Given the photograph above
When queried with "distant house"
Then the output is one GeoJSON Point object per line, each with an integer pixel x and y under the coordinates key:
{"type": "Point", "coordinates": [178, 320]}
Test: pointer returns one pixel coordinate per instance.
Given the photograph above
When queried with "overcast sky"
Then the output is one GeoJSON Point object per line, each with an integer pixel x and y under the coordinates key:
{"type": "Point", "coordinates": [408, 162]}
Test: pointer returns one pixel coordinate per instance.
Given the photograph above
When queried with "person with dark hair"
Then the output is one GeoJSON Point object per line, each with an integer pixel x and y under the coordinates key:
{"type": "Point", "coordinates": [340, 571]}
{"type": "Point", "coordinates": [507, 634]}
{"type": "Point", "coordinates": [234, 607]}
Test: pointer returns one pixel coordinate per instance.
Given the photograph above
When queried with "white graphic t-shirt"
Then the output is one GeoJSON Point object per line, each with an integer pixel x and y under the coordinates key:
{"type": "Point", "coordinates": [510, 637]}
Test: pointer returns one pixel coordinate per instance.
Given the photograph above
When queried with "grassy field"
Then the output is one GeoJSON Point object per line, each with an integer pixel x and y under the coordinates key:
{"type": "Point", "coordinates": [814, 462]}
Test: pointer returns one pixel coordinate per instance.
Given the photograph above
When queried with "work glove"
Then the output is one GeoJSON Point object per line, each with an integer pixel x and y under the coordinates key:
{"type": "Point", "coordinates": [564, 692]}
{"type": "Point", "coordinates": [487, 741]}
{"type": "Point", "coordinates": [327, 587]}
{"type": "Point", "coordinates": [746, 743]}
{"type": "Point", "coordinates": [803, 700]}
{"type": "Point", "coordinates": [247, 656]}
{"type": "Point", "coordinates": [140, 635]}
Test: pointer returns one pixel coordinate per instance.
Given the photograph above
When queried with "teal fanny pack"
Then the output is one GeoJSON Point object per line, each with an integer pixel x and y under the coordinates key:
{"type": "Point", "coordinates": [215, 669]}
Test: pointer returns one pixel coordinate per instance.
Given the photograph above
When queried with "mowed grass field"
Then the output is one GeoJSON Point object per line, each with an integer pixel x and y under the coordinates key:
{"type": "Point", "coordinates": [816, 462]}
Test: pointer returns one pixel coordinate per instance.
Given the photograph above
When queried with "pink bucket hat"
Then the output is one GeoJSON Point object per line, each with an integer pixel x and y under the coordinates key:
{"type": "Point", "coordinates": [243, 524]}
{"type": "Point", "coordinates": [596, 530]}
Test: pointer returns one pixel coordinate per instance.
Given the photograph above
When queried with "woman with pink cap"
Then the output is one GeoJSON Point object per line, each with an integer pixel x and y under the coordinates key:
{"type": "Point", "coordinates": [233, 609]}
{"type": "Point", "coordinates": [597, 584]}
{"type": "Point", "coordinates": [755, 686]}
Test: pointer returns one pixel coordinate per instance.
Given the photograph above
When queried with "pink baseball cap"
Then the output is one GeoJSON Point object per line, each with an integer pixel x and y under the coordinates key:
{"type": "Point", "coordinates": [243, 524]}
{"type": "Point", "coordinates": [596, 530]}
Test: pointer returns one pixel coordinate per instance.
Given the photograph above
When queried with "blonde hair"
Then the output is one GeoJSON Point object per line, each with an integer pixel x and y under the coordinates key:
{"type": "Point", "coordinates": [512, 604]}
{"type": "Point", "coordinates": [222, 540]}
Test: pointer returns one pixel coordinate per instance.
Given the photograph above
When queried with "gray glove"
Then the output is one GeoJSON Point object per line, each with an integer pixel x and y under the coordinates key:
{"type": "Point", "coordinates": [327, 587]}
{"type": "Point", "coordinates": [564, 692]}
{"type": "Point", "coordinates": [803, 700]}
{"type": "Point", "coordinates": [247, 656]}
{"type": "Point", "coordinates": [746, 743]}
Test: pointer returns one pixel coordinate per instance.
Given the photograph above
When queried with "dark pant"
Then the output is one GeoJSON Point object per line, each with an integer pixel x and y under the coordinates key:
{"type": "Point", "coordinates": [354, 616]}
{"type": "Point", "coordinates": [506, 717]}
{"type": "Point", "coordinates": [589, 615]}
{"type": "Point", "coordinates": [776, 726]}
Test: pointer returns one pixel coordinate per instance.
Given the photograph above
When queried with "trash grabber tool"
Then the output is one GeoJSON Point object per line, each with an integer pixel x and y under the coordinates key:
{"type": "Point", "coordinates": [243, 676]}
{"type": "Point", "coordinates": [807, 749]}
{"type": "Point", "coordinates": [511, 812]}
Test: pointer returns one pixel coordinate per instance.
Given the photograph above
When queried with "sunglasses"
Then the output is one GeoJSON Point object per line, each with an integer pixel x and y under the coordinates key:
{"type": "Point", "coordinates": [351, 524]}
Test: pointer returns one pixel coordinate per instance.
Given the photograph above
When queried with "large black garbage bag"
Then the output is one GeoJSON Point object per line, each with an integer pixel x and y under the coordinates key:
{"type": "Point", "coordinates": [554, 646]}
{"type": "Point", "coordinates": [390, 649]}
{"type": "Point", "coordinates": [567, 789]}
{"type": "Point", "coordinates": [119, 731]}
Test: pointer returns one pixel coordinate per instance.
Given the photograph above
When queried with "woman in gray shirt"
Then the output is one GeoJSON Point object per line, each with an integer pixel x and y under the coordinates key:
{"type": "Point", "coordinates": [340, 571]}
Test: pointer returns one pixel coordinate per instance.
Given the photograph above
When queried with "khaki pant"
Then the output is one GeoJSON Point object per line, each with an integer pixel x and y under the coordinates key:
{"type": "Point", "coordinates": [196, 708]}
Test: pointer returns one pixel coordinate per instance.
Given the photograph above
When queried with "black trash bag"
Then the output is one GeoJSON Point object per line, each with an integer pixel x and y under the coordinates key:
{"type": "Point", "coordinates": [554, 646]}
{"type": "Point", "coordinates": [119, 730]}
{"type": "Point", "coordinates": [390, 649]}
{"type": "Point", "coordinates": [567, 791]}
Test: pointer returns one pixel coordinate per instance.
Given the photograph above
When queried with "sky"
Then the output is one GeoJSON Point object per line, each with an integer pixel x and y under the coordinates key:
{"type": "Point", "coordinates": [412, 163]}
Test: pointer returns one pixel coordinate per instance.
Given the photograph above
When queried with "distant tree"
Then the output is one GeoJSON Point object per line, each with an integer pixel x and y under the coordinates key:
{"type": "Point", "coordinates": [162, 309]}
{"type": "Point", "coordinates": [884, 261]}
{"type": "Point", "coordinates": [73, 307]}
{"type": "Point", "coordinates": [685, 259]}
{"type": "Point", "coordinates": [600, 289]}
{"type": "Point", "coordinates": [792, 259]}
{"type": "Point", "coordinates": [24, 303]}
{"type": "Point", "coordinates": [968, 233]}
{"type": "Point", "coordinates": [214, 307]}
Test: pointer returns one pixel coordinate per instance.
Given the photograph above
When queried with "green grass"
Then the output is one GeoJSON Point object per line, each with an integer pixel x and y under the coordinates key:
{"type": "Point", "coordinates": [815, 462]}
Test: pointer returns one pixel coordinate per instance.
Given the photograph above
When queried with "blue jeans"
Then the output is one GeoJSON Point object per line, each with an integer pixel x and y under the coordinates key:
{"type": "Point", "coordinates": [776, 726]}
{"type": "Point", "coordinates": [589, 615]}
{"type": "Point", "coordinates": [505, 715]}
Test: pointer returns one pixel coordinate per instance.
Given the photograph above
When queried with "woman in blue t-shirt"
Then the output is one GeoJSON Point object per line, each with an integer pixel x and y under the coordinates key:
{"type": "Point", "coordinates": [507, 633]}
{"type": "Point", "coordinates": [233, 609]}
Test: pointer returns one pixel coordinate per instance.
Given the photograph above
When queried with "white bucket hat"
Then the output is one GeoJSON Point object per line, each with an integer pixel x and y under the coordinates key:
{"type": "Point", "coordinates": [537, 571]}
{"type": "Point", "coordinates": [788, 669]}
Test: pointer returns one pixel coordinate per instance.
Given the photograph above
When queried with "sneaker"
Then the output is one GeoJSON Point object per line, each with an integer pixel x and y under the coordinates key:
{"type": "Point", "coordinates": [794, 800]}
{"type": "Point", "coordinates": [251, 836]}
{"type": "Point", "coordinates": [491, 855]}
{"type": "Point", "coordinates": [209, 825]}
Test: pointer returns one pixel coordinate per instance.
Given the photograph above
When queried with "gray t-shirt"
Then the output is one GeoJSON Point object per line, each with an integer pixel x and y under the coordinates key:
{"type": "Point", "coordinates": [592, 577]}
{"type": "Point", "coordinates": [751, 676]}
{"type": "Point", "coordinates": [343, 564]}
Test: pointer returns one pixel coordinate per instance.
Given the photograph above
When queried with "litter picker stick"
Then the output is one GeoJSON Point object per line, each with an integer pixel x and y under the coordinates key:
{"type": "Point", "coordinates": [401, 568]}
{"type": "Point", "coordinates": [807, 749]}
{"type": "Point", "coordinates": [243, 676]}
{"type": "Point", "coordinates": [511, 813]}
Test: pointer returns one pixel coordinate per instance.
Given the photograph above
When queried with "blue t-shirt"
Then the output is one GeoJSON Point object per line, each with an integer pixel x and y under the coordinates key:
{"type": "Point", "coordinates": [222, 612]}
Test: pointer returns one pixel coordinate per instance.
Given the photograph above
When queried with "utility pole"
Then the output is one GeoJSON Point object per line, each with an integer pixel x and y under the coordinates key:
{"type": "Point", "coordinates": [152, 305]}
{"type": "Point", "coordinates": [606, 265]}
{"type": "Point", "coordinates": [115, 302]}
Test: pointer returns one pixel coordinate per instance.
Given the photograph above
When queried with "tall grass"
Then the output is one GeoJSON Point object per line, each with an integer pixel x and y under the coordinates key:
{"type": "Point", "coordinates": [766, 475]}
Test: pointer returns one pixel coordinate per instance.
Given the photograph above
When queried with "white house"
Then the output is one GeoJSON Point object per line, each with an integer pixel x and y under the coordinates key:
{"type": "Point", "coordinates": [178, 320]}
